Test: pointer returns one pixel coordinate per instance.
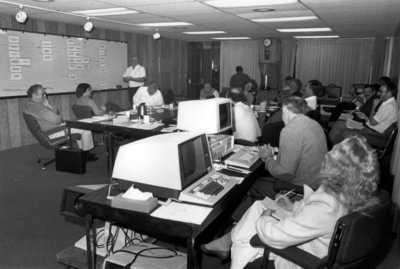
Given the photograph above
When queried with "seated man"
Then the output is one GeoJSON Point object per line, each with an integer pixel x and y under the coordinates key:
{"type": "Point", "coordinates": [302, 146]}
{"type": "Point", "coordinates": [376, 122]}
{"type": "Point", "coordinates": [208, 92]}
{"type": "Point", "coordinates": [149, 95]}
{"type": "Point", "coordinates": [84, 94]}
{"type": "Point", "coordinates": [362, 100]}
{"type": "Point", "coordinates": [245, 123]}
{"type": "Point", "coordinates": [48, 118]}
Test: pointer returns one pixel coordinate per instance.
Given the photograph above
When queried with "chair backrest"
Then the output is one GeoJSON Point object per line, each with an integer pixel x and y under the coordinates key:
{"type": "Point", "coordinates": [41, 137]}
{"type": "Point", "coordinates": [224, 92]}
{"type": "Point", "coordinates": [357, 235]}
{"type": "Point", "coordinates": [390, 132]}
{"type": "Point", "coordinates": [82, 112]}
{"type": "Point", "coordinates": [168, 96]}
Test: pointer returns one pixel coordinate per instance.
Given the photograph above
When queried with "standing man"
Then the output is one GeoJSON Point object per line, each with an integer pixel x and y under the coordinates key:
{"type": "Point", "coordinates": [239, 79]}
{"type": "Point", "coordinates": [135, 75]}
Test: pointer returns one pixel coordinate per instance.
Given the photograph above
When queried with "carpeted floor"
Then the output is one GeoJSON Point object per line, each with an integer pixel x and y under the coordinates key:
{"type": "Point", "coordinates": [32, 231]}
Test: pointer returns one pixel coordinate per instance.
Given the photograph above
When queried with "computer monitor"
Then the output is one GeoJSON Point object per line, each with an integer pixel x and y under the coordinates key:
{"type": "Point", "coordinates": [163, 164]}
{"type": "Point", "coordinates": [210, 116]}
{"type": "Point", "coordinates": [332, 92]}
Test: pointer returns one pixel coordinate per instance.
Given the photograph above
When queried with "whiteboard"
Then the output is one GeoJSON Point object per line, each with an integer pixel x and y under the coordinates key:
{"type": "Point", "coordinates": [58, 63]}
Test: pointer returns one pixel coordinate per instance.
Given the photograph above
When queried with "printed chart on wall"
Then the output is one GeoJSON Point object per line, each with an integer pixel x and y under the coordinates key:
{"type": "Point", "coordinates": [58, 63]}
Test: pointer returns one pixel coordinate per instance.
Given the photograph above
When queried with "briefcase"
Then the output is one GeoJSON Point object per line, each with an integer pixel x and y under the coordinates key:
{"type": "Point", "coordinates": [70, 160]}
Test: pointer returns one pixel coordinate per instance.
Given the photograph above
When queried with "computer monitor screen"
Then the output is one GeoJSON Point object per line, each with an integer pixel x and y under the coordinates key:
{"type": "Point", "coordinates": [210, 116]}
{"type": "Point", "coordinates": [332, 92]}
{"type": "Point", "coordinates": [163, 164]}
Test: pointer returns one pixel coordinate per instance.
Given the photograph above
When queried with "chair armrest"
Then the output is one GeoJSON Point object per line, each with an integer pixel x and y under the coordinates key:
{"type": "Point", "coordinates": [293, 254]}
{"type": "Point", "coordinates": [57, 130]}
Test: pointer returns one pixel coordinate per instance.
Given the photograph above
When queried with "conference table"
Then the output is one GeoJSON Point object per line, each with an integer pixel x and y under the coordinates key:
{"type": "Point", "coordinates": [125, 125]}
{"type": "Point", "coordinates": [95, 205]}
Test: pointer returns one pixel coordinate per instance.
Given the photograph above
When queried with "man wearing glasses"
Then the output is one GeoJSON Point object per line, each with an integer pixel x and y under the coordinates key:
{"type": "Point", "coordinates": [48, 117]}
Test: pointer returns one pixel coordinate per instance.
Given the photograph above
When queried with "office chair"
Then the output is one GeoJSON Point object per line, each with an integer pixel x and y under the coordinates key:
{"type": "Point", "coordinates": [44, 137]}
{"type": "Point", "coordinates": [82, 112]}
{"type": "Point", "coordinates": [355, 237]}
{"type": "Point", "coordinates": [387, 149]}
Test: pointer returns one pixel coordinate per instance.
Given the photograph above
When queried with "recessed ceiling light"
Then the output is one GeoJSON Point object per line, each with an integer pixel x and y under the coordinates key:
{"type": "Point", "coordinates": [230, 38]}
{"type": "Point", "coordinates": [247, 3]}
{"type": "Point", "coordinates": [318, 36]}
{"type": "Point", "coordinates": [304, 18]}
{"type": "Point", "coordinates": [204, 32]}
{"type": "Point", "coordinates": [106, 11]}
{"type": "Point", "coordinates": [296, 30]}
{"type": "Point", "coordinates": [263, 9]}
{"type": "Point", "coordinates": [161, 24]}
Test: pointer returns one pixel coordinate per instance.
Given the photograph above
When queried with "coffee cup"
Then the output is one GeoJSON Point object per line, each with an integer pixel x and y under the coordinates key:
{"type": "Point", "coordinates": [146, 119]}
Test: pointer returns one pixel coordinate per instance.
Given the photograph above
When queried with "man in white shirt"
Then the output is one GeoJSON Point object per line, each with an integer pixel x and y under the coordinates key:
{"type": "Point", "coordinates": [135, 75]}
{"type": "Point", "coordinates": [245, 122]}
{"type": "Point", "coordinates": [149, 95]}
{"type": "Point", "coordinates": [377, 122]}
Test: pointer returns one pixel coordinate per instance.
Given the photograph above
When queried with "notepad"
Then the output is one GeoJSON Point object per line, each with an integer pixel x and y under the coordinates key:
{"type": "Point", "coordinates": [352, 124]}
{"type": "Point", "coordinates": [182, 212]}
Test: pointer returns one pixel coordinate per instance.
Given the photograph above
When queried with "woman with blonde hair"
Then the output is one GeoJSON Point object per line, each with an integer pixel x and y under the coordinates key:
{"type": "Point", "coordinates": [349, 175]}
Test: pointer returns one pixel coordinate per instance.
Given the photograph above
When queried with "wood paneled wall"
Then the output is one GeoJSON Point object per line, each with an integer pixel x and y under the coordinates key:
{"type": "Point", "coordinates": [165, 61]}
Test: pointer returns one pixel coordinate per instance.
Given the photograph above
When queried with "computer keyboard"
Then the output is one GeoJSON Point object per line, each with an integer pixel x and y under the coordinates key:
{"type": "Point", "coordinates": [209, 189]}
{"type": "Point", "coordinates": [242, 158]}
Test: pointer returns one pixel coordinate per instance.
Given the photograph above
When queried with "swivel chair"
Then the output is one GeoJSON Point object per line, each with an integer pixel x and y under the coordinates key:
{"type": "Point", "coordinates": [82, 112]}
{"type": "Point", "coordinates": [355, 237]}
{"type": "Point", "coordinates": [45, 138]}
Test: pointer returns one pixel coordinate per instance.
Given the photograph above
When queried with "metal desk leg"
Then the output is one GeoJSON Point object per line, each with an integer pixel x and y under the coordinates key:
{"type": "Point", "coordinates": [90, 242]}
{"type": "Point", "coordinates": [109, 146]}
{"type": "Point", "coordinates": [191, 254]}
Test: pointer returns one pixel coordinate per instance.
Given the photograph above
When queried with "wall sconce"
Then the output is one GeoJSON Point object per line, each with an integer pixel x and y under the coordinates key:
{"type": "Point", "coordinates": [21, 16]}
{"type": "Point", "coordinates": [156, 35]}
{"type": "Point", "coordinates": [88, 26]}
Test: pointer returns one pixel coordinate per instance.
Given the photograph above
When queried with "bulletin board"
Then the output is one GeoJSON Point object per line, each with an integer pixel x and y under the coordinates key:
{"type": "Point", "coordinates": [58, 63]}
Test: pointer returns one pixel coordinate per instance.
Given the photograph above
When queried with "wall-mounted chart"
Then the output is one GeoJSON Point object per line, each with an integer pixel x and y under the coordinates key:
{"type": "Point", "coordinates": [58, 63]}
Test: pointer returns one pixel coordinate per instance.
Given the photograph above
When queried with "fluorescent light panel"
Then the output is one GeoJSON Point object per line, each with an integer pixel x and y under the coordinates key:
{"type": "Point", "coordinates": [318, 36]}
{"type": "Point", "coordinates": [161, 24]}
{"type": "Point", "coordinates": [204, 33]}
{"type": "Point", "coordinates": [230, 38]}
{"type": "Point", "coordinates": [106, 11]}
{"type": "Point", "coordinates": [248, 3]}
{"type": "Point", "coordinates": [297, 30]}
{"type": "Point", "coordinates": [303, 18]}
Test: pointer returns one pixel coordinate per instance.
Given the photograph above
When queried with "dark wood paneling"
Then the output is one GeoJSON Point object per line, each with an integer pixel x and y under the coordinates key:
{"type": "Point", "coordinates": [13, 131]}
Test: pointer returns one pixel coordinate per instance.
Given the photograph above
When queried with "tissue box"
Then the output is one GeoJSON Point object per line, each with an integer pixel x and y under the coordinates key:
{"type": "Point", "coordinates": [145, 206]}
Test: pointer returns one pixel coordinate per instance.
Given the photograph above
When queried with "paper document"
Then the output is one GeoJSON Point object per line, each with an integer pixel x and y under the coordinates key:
{"type": "Point", "coordinates": [182, 212]}
{"type": "Point", "coordinates": [280, 213]}
{"type": "Point", "coordinates": [352, 124]}
{"type": "Point", "coordinates": [345, 116]}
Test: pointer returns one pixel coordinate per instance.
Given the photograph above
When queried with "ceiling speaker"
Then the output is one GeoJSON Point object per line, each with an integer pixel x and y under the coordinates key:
{"type": "Point", "coordinates": [21, 16]}
{"type": "Point", "coordinates": [88, 26]}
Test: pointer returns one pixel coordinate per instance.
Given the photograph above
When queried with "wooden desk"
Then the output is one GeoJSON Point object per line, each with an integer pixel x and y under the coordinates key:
{"type": "Point", "coordinates": [95, 205]}
{"type": "Point", "coordinates": [108, 128]}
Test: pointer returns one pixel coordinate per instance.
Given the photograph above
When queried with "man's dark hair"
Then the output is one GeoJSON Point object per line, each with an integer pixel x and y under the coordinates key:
{"type": "Point", "coordinates": [81, 89]}
{"type": "Point", "coordinates": [33, 89]}
{"type": "Point", "coordinates": [239, 68]}
{"type": "Point", "coordinates": [296, 104]}
{"type": "Point", "coordinates": [392, 88]}
{"type": "Point", "coordinates": [316, 86]}
{"type": "Point", "coordinates": [384, 80]}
